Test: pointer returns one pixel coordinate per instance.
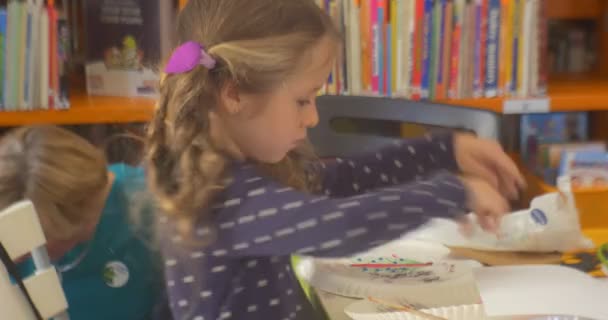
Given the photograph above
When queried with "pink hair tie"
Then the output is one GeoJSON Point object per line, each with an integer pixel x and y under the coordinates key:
{"type": "Point", "coordinates": [187, 56]}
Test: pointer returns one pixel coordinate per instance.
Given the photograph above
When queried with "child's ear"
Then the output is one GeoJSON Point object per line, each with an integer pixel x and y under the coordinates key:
{"type": "Point", "coordinates": [230, 98]}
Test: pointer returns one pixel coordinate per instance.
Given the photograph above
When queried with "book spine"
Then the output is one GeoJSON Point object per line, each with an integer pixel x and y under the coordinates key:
{"type": "Point", "coordinates": [543, 42]}
{"type": "Point", "coordinates": [446, 56]}
{"type": "Point", "coordinates": [418, 50]}
{"type": "Point", "coordinates": [366, 46]}
{"type": "Point", "coordinates": [437, 50]}
{"type": "Point", "coordinates": [375, 41]}
{"type": "Point", "coordinates": [43, 80]}
{"type": "Point", "coordinates": [477, 56]}
{"type": "Point", "coordinates": [3, 51]}
{"type": "Point", "coordinates": [455, 48]}
{"type": "Point", "coordinates": [427, 49]}
{"type": "Point", "coordinates": [492, 53]}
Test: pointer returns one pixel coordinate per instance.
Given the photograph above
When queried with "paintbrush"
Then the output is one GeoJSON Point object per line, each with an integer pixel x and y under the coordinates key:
{"type": "Point", "coordinates": [405, 308]}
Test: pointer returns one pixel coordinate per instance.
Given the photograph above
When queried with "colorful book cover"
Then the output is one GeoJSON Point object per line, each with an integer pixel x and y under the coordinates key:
{"type": "Point", "coordinates": [366, 46]}
{"type": "Point", "coordinates": [398, 29]}
{"type": "Point", "coordinates": [586, 167]}
{"type": "Point", "coordinates": [470, 77]}
{"type": "Point", "coordinates": [381, 45]}
{"type": "Point", "coordinates": [525, 39]}
{"type": "Point", "coordinates": [124, 58]}
{"type": "Point", "coordinates": [53, 57]}
{"type": "Point", "coordinates": [341, 63]}
{"type": "Point", "coordinates": [408, 40]}
{"type": "Point", "coordinates": [483, 46]}
{"type": "Point", "coordinates": [456, 48]}
{"type": "Point", "coordinates": [534, 65]}
{"type": "Point", "coordinates": [477, 61]}
{"type": "Point", "coordinates": [353, 53]}
{"type": "Point", "coordinates": [427, 43]}
{"type": "Point", "coordinates": [63, 52]}
{"type": "Point", "coordinates": [446, 47]}
{"type": "Point", "coordinates": [3, 50]}
{"type": "Point", "coordinates": [543, 42]}
{"type": "Point", "coordinates": [43, 97]}
{"type": "Point", "coordinates": [418, 50]}
{"type": "Point", "coordinates": [517, 27]}
{"type": "Point", "coordinates": [492, 52]}
{"type": "Point", "coordinates": [508, 50]}
{"type": "Point", "coordinates": [388, 51]}
{"type": "Point", "coordinates": [537, 129]}
{"type": "Point", "coordinates": [334, 78]}
{"type": "Point", "coordinates": [21, 55]}
{"type": "Point", "coordinates": [375, 41]}
{"type": "Point", "coordinates": [356, 73]}
{"type": "Point", "coordinates": [465, 75]}
{"type": "Point", "coordinates": [436, 51]}
{"type": "Point", "coordinates": [30, 43]}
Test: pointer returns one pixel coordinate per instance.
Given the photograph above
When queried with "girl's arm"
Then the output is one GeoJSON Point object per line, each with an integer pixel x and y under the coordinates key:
{"type": "Point", "coordinates": [262, 218]}
{"type": "Point", "coordinates": [394, 164]}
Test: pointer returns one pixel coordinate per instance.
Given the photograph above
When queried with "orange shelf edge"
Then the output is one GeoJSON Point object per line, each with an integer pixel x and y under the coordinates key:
{"type": "Point", "coordinates": [574, 94]}
{"type": "Point", "coordinates": [579, 9]}
{"type": "Point", "coordinates": [86, 110]}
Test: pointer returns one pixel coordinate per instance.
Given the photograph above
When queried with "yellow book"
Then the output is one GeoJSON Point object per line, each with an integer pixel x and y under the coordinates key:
{"type": "Point", "coordinates": [504, 35]}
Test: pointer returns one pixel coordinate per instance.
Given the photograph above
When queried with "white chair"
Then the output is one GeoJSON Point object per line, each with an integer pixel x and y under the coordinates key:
{"type": "Point", "coordinates": [41, 296]}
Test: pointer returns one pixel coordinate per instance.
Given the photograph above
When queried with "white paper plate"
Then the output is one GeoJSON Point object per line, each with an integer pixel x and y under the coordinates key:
{"type": "Point", "coordinates": [415, 270]}
{"type": "Point", "coordinates": [366, 310]}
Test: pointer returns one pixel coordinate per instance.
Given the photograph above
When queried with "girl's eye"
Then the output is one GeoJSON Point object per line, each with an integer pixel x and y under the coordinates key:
{"type": "Point", "coordinates": [303, 103]}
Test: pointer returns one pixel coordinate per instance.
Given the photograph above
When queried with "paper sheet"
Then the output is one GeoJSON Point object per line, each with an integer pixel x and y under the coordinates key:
{"type": "Point", "coordinates": [541, 290]}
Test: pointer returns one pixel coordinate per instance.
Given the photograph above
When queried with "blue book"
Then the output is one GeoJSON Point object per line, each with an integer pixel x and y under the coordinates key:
{"type": "Point", "coordinates": [441, 79]}
{"type": "Point", "coordinates": [27, 65]}
{"type": "Point", "coordinates": [516, 34]}
{"type": "Point", "coordinates": [477, 85]}
{"type": "Point", "coordinates": [427, 48]}
{"type": "Point", "coordinates": [3, 29]}
{"type": "Point", "coordinates": [492, 45]}
{"type": "Point", "coordinates": [389, 61]}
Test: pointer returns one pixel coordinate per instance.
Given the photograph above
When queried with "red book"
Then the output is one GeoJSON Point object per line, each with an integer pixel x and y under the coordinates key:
{"type": "Point", "coordinates": [418, 50]}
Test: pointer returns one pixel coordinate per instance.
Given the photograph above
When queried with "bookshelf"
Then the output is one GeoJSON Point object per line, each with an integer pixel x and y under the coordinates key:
{"type": "Point", "coordinates": [565, 93]}
{"type": "Point", "coordinates": [85, 109]}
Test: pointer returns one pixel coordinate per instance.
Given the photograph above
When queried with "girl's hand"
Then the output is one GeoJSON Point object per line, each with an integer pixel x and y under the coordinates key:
{"type": "Point", "coordinates": [486, 160]}
{"type": "Point", "coordinates": [486, 202]}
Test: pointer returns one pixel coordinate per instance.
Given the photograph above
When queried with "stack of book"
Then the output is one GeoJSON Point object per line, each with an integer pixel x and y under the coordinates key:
{"type": "Point", "coordinates": [34, 44]}
{"type": "Point", "coordinates": [440, 49]}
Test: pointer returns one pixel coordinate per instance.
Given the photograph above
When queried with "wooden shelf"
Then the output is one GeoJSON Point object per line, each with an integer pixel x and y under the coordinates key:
{"type": "Point", "coordinates": [588, 94]}
{"type": "Point", "coordinates": [574, 9]}
{"type": "Point", "coordinates": [86, 110]}
{"type": "Point", "coordinates": [573, 94]}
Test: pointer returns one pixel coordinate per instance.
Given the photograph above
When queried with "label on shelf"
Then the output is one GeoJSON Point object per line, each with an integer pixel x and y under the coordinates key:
{"type": "Point", "coordinates": [534, 105]}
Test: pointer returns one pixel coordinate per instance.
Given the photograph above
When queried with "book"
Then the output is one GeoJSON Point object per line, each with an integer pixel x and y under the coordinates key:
{"type": "Point", "coordinates": [3, 34]}
{"type": "Point", "coordinates": [123, 60]}
{"type": "Point", "coordinates": [538, 129]}
{"type": "Point", "coordinates": [586, 169]}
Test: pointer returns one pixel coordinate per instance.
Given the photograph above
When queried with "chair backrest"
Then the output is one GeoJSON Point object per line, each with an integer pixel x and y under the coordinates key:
{"type": "Point", "coordinates": [329, 143]}
{"type": "Point", "coordinates": [21, 234]}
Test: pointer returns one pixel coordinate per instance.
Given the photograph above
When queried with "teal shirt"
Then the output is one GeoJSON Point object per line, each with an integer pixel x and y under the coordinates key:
{"type": "Point", "coordinates": [119, 276]}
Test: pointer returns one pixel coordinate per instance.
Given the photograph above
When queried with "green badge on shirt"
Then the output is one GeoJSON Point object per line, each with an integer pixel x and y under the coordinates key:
{"type": "Point", "coordinates": [115, 274]}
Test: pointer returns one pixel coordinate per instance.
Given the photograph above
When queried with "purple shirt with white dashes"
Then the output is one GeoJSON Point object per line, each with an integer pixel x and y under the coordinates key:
{"type": "Point", "coordinates": [245, 272]}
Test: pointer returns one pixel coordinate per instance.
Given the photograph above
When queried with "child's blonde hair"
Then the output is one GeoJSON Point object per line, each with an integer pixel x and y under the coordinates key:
{"type": "Point", "coordinates": [58, 171]}
{"type": "Point", "coordinates": [258, 44]}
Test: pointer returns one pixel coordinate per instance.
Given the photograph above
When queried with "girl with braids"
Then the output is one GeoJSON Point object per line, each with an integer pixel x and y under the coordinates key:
{"type": "Point", "coordinates": [241, 191]}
